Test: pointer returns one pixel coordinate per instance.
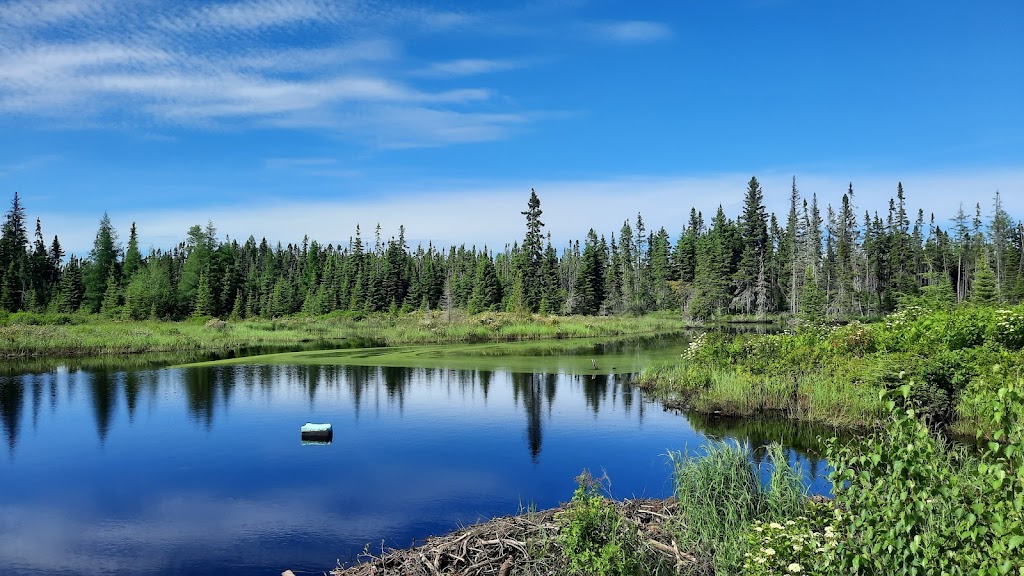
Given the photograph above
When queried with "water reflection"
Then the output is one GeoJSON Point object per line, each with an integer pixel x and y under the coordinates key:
{"type": "Point", "coordinates": [12, 394]}
{"type": "Point", "coordinates": [208, 394]}
{"type": "Point", "coordinates": [202, 471]}
{"type": "Point", "coordinates": [103, 388]}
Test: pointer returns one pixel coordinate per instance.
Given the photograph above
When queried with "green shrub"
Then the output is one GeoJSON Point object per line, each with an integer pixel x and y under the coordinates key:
{"type": "Point", "coordinates": [916, 506]}
{"type": "Point", "coordinates": [968, 326]}
{"type": "Point", "coordinates": [854, 339]}
{"type": "Point", "coordinates": [595, 539]}
{"type": "Point", "coordinates": [1008, 329]}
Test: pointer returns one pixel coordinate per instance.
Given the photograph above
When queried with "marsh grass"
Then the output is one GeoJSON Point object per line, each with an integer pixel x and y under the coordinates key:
{"type": "Point", "coordinates": [27, 335]}
{"type": "Point", "coordinates": [732, 391]}
{"type": "Point", "coordinates": [720, 494]}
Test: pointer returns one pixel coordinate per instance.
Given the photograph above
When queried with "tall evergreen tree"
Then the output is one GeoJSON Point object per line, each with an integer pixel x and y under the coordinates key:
{"type": "Point", "coordinates": [532, 256]}
{"type": "Point", "coordinates": [103, 260]}
{"type": "Point", "coordinates": [486, 287]}
{"type": "Point", "coordinates": [132, 256]}
{"type": "Point", "coordinates": [590, 282]}
{"type": "Point", "coordinates": [792, 249]}
{"type": "Point", "coordinates": [711, 285]}
{"type": "Point", "coordinates": [71, 290]}
{"type": "Point", "coordinates": [13, 257]}
{"type": "Point", "coordinates": [553, 295]}
{"type": "Point", "coordinates": [753, 236]}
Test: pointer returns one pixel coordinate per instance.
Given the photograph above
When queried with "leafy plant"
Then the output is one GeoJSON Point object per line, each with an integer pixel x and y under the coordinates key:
{"type": "Point", "coordinates": [594, 537]}
{"type": "Point", "coordinates": [917, 506]}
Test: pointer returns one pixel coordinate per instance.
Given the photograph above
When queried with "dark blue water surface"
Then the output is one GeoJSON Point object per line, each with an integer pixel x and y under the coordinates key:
{"type": "Point", "coordinates": [202, 471]}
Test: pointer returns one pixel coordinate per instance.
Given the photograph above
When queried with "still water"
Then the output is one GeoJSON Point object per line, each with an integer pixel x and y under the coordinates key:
{"type": "Point", "coordinates": [201, 470]}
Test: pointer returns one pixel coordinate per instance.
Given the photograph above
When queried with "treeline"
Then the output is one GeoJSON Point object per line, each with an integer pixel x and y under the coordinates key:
{"type": "Point", "coordinates": [815, 266]}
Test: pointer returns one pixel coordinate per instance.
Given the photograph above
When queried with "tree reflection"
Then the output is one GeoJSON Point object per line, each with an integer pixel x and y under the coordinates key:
{"type": "Point", "coordinates": [37, 400]}
{"type": "Point", "coordinates": [485, 377]}
{"type": "Point", "coordinates": [396, 380]}
{"type": "Point", "coordinates": [12, 395]}
{"type": "Point", "coordinates": [595, 389]}
{"type": "Point", "coordinates": [200, 395]}
{"type": "Point", "coordinates": [528, 387]}
{"type": "Point", "coordinates": [131, 393]}
{"type": "Point", "coordinates": [357, 378]}
{"type": "Point", "coordinates": [103, 392]}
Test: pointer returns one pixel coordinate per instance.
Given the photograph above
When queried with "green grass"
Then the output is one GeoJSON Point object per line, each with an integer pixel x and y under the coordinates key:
{"type": "Point", "coordinates": [720, 494]}
{"type": "Point", "coordinates": [623, 355]}
{"type": "Point", "coordinates": [731, 391]}
{"type": "Point", "coordinates": [23, 336]}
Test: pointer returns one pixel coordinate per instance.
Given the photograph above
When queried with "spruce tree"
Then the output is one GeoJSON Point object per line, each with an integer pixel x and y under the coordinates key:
{"type": "Point", "coordinates": [612, 303]}
{"type": "Point", "coordinates": [112, 297]}
{"type": "Point", "coordinates": [812, 300]}
{"type": "Point", "coordinates": [795, 238]}
{"type": "Point", "coordinates": [553, 296]}
{"type": "Point", "coordinates": [71, 290]}
{"type": "Point", "coordinates": [753, 236]}
{"type": "Point", "coordinates": [486, 288]}
{"type": "Point", "coordinates": [660, 269]}
{"type": "Point", "coordinates": [711, 285]}
{"type": "Point", "coordinates": [589, 286]}
{"type": "Point", "coordinates": [13, 257]}
{"type": "Point", "coordinates": [204, 303]}
{"type": "Point", "coordinates": [532, 255]}
{"type": "Point", "coordinates": [132, 256]}
{"type": "Point", "coordinates": [983, 289]}
{"type": "Point", "coordinates": [102, 262]}
{"type": "Point", "coordinates": [40, 275]}
{"type": "Point", "coordinates": [686, 247]}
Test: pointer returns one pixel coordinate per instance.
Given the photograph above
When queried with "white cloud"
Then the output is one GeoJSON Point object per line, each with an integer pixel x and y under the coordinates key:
{"type": "Point", "coordinates": [632, 31]}
{"type": "Point", "coordinates": [488, 213]}
{"type": "Point", "coordinates": [215, 66]}
{"type": "Point", "coordinates": [36, 13]}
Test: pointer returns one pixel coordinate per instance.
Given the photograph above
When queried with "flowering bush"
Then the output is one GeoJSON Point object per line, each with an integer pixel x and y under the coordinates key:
{"type": "Point", "coordinates": [854, 338]}
{"type": "Point", "coordinates": [800, 546]}
{"type": "Point", "coordinates": [1008, 329]}
{"type": "Point", "coordinates": [694, 347]}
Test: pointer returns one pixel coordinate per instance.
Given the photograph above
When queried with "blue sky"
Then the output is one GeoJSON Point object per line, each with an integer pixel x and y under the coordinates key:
{"type": "Point", "coordinates": [278, 118]}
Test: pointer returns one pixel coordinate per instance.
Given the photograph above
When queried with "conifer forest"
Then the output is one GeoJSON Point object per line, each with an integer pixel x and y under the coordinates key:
{"type": "Point", "coordinates": [826, 258]}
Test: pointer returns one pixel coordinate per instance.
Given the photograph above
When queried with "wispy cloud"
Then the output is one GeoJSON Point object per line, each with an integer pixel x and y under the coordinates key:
{"type": "Point", "coordinates": [226, 65]}
{"type": "Point", "coordinates": [469, 67]}
{"type": "Point", "coordinates": [631, 31]}
{"type": "Point", "coordinates": [34, 13]}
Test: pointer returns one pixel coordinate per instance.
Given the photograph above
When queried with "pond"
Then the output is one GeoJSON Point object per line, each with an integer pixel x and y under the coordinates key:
{"type": "Point", "coordinates": [201, 470]}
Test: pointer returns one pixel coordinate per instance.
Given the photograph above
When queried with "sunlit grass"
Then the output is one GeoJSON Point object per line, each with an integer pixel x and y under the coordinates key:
{"type": "Point", "coordinates": [86, 335]}
{"type": "Point", "coordinates": [731, 391]}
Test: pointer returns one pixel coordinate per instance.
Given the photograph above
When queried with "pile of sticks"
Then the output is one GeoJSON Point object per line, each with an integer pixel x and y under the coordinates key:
{"type": "Point", "coordinates": [525, 544]}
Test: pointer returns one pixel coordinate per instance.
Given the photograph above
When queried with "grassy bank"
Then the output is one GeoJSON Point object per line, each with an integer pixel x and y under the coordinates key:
{"type": "Point", "coordinates": [31, 335]}
{"type": "Point", "coordinates": [952, 358]}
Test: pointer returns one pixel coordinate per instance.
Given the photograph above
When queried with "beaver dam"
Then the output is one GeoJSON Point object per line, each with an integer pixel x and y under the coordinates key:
{"type": "Point", "coordinates": [524, 544]}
